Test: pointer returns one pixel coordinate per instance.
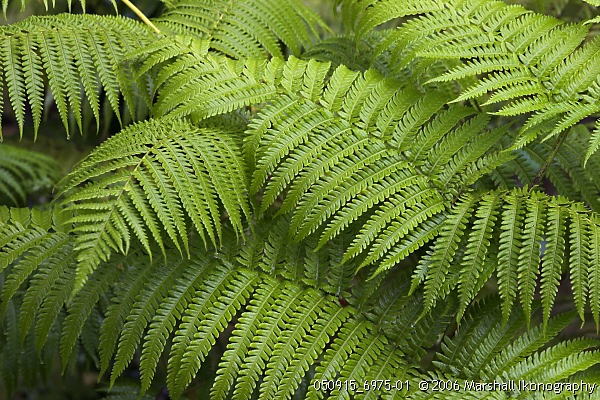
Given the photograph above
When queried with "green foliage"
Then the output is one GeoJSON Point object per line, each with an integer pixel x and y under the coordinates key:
{"type": "Point", "coordinates": [529, 63]}
{"type": "Point", "coordinates": [69, 54]}
{"type": "Point", "coordinates": [23, 172]}
{"type": "Point", "coordinates": [403, 204]}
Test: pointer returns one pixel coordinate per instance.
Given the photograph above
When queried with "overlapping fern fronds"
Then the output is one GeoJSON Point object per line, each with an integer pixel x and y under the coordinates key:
{"type": "Point", "coordinates": [526, 63]}
{"type": "Point", "coordinates": [22, 172]}
{"type": "Point", "coordinates": [568, 172]}
{"type": "Point", "coordinates": [78, 56]}
{"type": "Point", "coordinates": [286, 337]}
{"type": "Point", "coordinates": [150, 181]}
{"type": "Point", "coordinates": [505, 231]}
{"type": "Point", "coordinates": [74, 57]}
{"type": "Point", "coordinates": [244, 28]}
{"type": "Point", "coordinates": [23, 3]}
{"type": "Point", "coordinates": [381, 166]}
{"type": "Point", "coordinates": [320, 223]}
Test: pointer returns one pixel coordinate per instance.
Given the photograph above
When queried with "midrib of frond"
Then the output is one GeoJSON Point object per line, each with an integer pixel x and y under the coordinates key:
{"type": "Point", "coordinates": [82, 274]}
{"type": "Point", "coordinates": [219, 14]}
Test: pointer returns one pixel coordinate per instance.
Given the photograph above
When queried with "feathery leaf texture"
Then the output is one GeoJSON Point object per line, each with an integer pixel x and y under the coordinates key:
{"type": "Point", "coordinates": [5, 4]}
{"type": "Point", "coordinates": [314, 223]}
{"type": "Point", "coordinates": [376, 147]}
{"type": "Point", "coordinates": [244, 28]}
{"type": "Point", "coordinates": [281, 330]}
{"type": "Point", "coordinates": [23, 172]}
{"type": "Point", "coordinates": [525, 220]}
{"type": "Point", "coordinates": [75, 57]}
{"type": "Point", "coordinates": [528, 63]}
{"type": "Point", "coordinates": [152, 179]}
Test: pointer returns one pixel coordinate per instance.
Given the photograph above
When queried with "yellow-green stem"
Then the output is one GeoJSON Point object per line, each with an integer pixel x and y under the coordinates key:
{"type": "Point", "coordinates": [140, 14]}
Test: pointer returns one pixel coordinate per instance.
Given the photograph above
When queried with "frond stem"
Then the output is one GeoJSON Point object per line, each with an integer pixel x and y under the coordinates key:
{"type": "Point", "coordinates": [141, 15]}
{"type": "Point", "coordinates": [549, 160]}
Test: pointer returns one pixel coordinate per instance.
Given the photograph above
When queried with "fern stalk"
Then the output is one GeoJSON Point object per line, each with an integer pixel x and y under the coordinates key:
{"type": "Point", "coordinates": [140, 14]}
{"type": "Point", "coordinates": [549, 160]}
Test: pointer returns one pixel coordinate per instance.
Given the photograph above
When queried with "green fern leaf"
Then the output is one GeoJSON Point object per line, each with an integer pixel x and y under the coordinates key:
{"type": "Point", "coordinates": [594, 273]}
{"type": "Point", "coordinates": [61, 279]}
{"type": "Point", "coordinates": [474, 259]}
{"type": "Point", "coordinates": [525, 61]}
{"type": "Point", "coordinates": [164, 319]}
{"type": "Point", "coordinates": [526, 344]}
{"type": "Point", "coordinates": [200, 335]}
{"type": "Point", "coordinates": [529, 255]}
{"type": "Point", "coordinates": [243, 335]}
{"type": "Point", "coordinates": [556, 362]}
{"type": "Point", "coordinates": [445, 247]}
{"type": "Point", "coordinates": [130, 286]}
{"type": "Point", "coordinates": [289, 340]}
{"type": "Point", "coordinates": [347, 341]}
{"type": "Point", "coordinates": [71, 51]}
{"type": "Point", "coordinates": [553, 257]}
{"type": "Point", "coordinates": [579, 260]}
{"type": "Point", "coordinates": [326, 325]}
{"type": "Point", "coordinates": [140, 315]}
{"type": "Point", "coordinates": [82, 306]}
{"type": "Point", "coordinates": [185, 168]}
{"type": "Point", "coordinates": [244, 29]}
{"type": "Point", "coordinates": [51, 245]}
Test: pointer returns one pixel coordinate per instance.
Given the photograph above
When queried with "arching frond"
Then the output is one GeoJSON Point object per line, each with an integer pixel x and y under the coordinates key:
{"type": "Point", "coordinates": [330, 215]}
{"type": "Point", "coordinates": [148, 187]}
{"type": "Point", "coordinates": [282, 319]}
{"type": "Point", "coordinates": [244, 28]}
{"type": "Point", "coordinates": [525, 221]}
{"type": "Point", "coordinates": [285, 336]}
{"type": "Point", "coordinates": [486, 350]}
{"type": "Point", "coordinates": [74, 57]}
{"type": "Point", "coordinates": [527, 62]}
{"type": "Point", "coordinates": [365, 132]}
{"type": "Point", "coordinates": [23, 3]}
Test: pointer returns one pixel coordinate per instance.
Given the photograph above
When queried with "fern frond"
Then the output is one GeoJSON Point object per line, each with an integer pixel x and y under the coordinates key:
{"type": "Point", "coordinates": [54, 251]}
{"type": "Point", "coordinates": [478, 244]}
{"type": "Point", "coordinates": [526, 220]}
{"type": "Point", "coordinates": [243, 336]}
{"type": "Point", "coordinates": [579, 258]}
{"type": "Point", "coordinates": [142, 311]}
{"type": "Point", "coordinates": [529, 255]}
{"type": "Point", "coordinates": [528, 62]}
{"type": "Point", "coordinates": [445, 248]}
{"type": "Point", "coordinates": [505, 351]}
{"type": "Point", "coordinates": [82, 306]}
{"type": "Point", "coordinates": [126, 291]}
{"type": "Point", "coordinates": [244, 29]}
{"type": "Point", "coordinates": [164, 320]}
{"type": "Point", "coordinates": [42, 247]}
{"type": "Point", "coordinates": [23, 172]}
{"type": "Point", "coordinates": [556, 362]}
{"type": "Point", "coordinates": [58, 280]}
{"type": "Point", "coordinates": [24, 3]}
{"type": "Point", "coordinates": [76, 54]}
{"type": "Point", "coordinates": [553, 257]}
{"type": "Point", "coordinates": [192, 342]}
{"type": "Point", "coordinates": [143, 188]}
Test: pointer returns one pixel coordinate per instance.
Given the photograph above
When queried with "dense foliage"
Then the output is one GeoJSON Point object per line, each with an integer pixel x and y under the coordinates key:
{"type": "Point", "coordinates": [287, 208]}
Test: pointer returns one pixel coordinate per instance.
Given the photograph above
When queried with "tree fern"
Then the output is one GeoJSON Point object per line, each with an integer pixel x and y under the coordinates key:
{"type": "Point", "coordinates": [243, 29]}
{"type": "Point", "coordinates": [524, 223]}
{"type": "Point", "coordinates": [301, 217]}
